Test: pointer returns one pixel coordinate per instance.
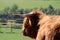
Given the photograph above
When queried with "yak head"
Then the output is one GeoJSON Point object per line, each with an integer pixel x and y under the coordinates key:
{"type": "Point", "coordinates": [30, 23]}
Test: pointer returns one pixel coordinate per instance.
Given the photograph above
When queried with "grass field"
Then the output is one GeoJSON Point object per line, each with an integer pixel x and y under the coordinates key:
{"type": "Point", "coordinates": [29, 3]}
{"type": "Point", "coordinates": [15, 35]}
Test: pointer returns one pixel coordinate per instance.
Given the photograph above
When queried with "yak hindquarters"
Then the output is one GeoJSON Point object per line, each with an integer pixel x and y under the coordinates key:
{"type": "Point", "coordinates": [54, 35]}
{"type": "Point", "coordinates": [57, 34]}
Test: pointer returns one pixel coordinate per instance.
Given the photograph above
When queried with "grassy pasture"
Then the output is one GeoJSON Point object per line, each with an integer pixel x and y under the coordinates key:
{"type": "Point", "coordinates": [29, 4]}
{"type": "Point", "coordinates": [15, 35]}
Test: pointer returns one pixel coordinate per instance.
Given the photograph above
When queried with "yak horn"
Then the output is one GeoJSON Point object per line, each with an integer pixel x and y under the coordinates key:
{"type": "Point", "coordinates": [21, 15]}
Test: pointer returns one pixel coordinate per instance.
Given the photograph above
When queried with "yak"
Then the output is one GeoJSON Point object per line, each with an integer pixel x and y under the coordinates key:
{"type": "Point", "coordinates": [41, 26]}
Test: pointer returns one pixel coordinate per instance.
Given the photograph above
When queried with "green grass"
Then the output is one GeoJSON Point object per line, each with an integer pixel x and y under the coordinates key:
{"type": "Point", "coordinates": [15, 35]}
{"type": "Point", "coordinates": [29, 3]}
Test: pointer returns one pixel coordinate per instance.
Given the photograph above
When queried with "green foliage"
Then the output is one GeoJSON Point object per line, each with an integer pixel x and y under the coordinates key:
{"type": "Point", "coordinates": [7, 12]}
{"type": "Point", "coordinates": [50, 10]}
{"type": "Point", "coordinates": [13, 9]}
{"type": "Point", "coordinates": [22, 11]}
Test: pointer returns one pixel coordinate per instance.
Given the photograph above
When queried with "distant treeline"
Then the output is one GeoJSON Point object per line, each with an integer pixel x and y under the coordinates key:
{"type": "Point", "coordinates": [7, 12]}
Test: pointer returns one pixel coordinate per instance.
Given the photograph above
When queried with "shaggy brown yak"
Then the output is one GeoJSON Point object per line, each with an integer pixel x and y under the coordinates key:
{"type": "Point", "coordinates": [40, 26]}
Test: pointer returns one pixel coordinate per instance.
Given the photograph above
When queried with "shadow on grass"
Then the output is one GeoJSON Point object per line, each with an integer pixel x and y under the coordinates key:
{"type": "Point", "coordinates": [10, 32]}
{"type": "Point", "coordinates": [1, 32]}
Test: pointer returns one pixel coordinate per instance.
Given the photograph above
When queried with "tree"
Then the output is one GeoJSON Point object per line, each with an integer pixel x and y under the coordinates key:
{"type": "Point", "coordinates": [50, 9]}
{"type": "Point", "coordinates": [44, 10]}
{"type": "Point", "coordinates": [6, 10]}
{"type": "Point", "coordinates": [14, 9]}
{"type": "Point", "coordinates": [22, 11]}
{"type": "Point", "coordinates": [27, 10]}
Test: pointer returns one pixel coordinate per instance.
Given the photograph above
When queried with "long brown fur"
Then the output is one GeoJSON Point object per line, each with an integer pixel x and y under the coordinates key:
{"type": "Point", "coordinates": [30, 25]}
{"type": "Point", "coordinates": [41, 26]}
